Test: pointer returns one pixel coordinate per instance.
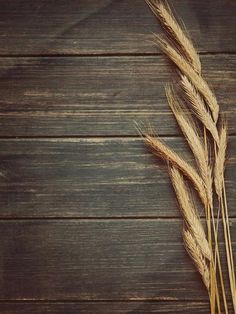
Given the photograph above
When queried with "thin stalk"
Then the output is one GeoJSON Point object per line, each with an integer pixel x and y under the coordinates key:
{"type": "Point", "coordinates": [213, 264]}
{"type": "Point", "coordinates": [217, 254]}
{"type": "Point", "coordinates": [228, 228]}
{"type": "Point", "coordinates": [228, 248]}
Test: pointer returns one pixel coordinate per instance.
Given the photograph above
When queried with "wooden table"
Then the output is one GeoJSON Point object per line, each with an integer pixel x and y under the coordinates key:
{"type": "Point", "coordinates": [89, 221]}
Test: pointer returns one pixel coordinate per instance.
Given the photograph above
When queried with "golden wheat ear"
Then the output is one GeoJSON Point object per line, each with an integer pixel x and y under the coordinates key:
{"type": "Point", "coordinates": [185, 67]}
{"type": "Point", "coordinates": [193, 138]}
{"type": "Point", "coordinates": [163, 12]}
{"type": "Point", "coordinates": [189, 212]}
{"type": "Point", "coordinates": [220, 160]}
{"type": "Point", "coordinates": [197, 257]}
{"type": "Point", "coordinates": [167, 154]}
{"type": "Point", "coordinates": [197, 104]}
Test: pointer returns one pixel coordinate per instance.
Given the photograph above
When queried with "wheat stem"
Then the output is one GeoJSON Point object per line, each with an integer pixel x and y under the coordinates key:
{"type": "Point", "coordinates": [228, 247]}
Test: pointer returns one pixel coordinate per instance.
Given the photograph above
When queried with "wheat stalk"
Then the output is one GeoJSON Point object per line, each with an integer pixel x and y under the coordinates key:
{"type": "Point", "coordinates": [180, 50]}
{"type": "Point", "coordinates": [220, 190]}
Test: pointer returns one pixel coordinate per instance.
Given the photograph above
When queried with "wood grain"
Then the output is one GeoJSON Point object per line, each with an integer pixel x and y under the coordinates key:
{"type": "Point", "coordinates": [116, 177]}
{"type": "Point", "coordinates": [74, 77]}
{"type": "Point", "coordinates": [119, 259]}
{"type": "Point", "coordinates": [105, 307]}
{"type": "Point", "coordinates": [99, 96]}
{"type": "Point", "coordinates": [98, 27]}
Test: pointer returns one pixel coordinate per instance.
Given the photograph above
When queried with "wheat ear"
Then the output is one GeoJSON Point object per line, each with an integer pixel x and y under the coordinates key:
{"type": "Point", "coordinates": [193, 138]}
{"type": "Point", "coordinates": [163, 151]}
{"type": "Point", "coordinates": [186, 68]}
{"type": "Point", "coordinates": [193, 249]}
{"type": "Point", "coordinates": [163, 12]}
{"type": "Point", "coordinates": [220, 160]}
{"type": "Point", "coordinates": [199, 108]}
{"type": "Point", "coordinates": [189, 212]}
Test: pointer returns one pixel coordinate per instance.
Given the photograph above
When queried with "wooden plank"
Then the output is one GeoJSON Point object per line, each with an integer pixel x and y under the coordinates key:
{"type": "Point", "coordinates": [89, 27]}
{"type": "Point", "coordinates": [97, 260]}
{"type": "Point", "coordinates": [99, 96]}
{"type": "Point", "coordinates": [105, 307]}
{"type": "Point", "coordinates": [91, 178]}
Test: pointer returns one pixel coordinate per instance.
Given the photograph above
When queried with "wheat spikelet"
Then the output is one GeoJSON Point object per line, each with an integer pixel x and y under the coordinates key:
{"type": "Point", "coordinates": [163, 12]}
{"type": "Point", "coordinates": [199, 107]}
{"type": "Point", "coordinates": [187, 69]}
{"type": "Point", "coordinates": [196, 255]}
{"type": "Point", "coordinates": [220, 160]}
{"type": "Point", "coordinates": [193, 138]}
{"type": "Point", "coordinates": [163, 151]}
{"type": "Point", "coordinates": [189, 213]}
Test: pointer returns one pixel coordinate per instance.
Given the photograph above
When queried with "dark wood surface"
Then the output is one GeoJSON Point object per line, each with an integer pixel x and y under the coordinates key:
{"type": "Point", "coordinates": [105, 307]}
{"type": "Point", "coordinates": [91, 259]}
{"type": "Point", "coordinates": [88, 221]}
{"type": "Point", "coordinates": [99, 177]}
{"type": "Point", "coordinates": [105, 26]}
{"type": "Point", "coordinates": [99, 96]}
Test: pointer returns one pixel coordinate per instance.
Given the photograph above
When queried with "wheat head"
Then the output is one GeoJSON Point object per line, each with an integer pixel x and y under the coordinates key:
{"type": "Point", "coordinates": [186, 68]}
{"type": "Point", "coordinates": [163, 12]}
{"type": "Point", "coordinates": [189, 212]}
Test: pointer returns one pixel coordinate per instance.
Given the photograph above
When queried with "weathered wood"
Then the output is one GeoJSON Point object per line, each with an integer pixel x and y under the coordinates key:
{"type": "Point", "coordinates": [122, 259]}
{"type": "Point", "coordinates": [74, 263]}
{"type": "Point", "coordinates": [105, 308]}
{"type": "Point", "coordinates": [82, 27]}
{"type": "Point", "coordinates": [98, 96]}
{"type": "Point", "coordinates": [91, 178]}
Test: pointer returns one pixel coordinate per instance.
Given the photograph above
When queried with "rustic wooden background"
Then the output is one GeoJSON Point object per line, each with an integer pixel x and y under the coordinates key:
{"type": "Point", "coordinates": [89, 222]}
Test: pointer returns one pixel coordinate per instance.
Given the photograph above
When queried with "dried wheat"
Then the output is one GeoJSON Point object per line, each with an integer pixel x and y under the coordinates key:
{"type": "Point", "coordinates": [163, 12]}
